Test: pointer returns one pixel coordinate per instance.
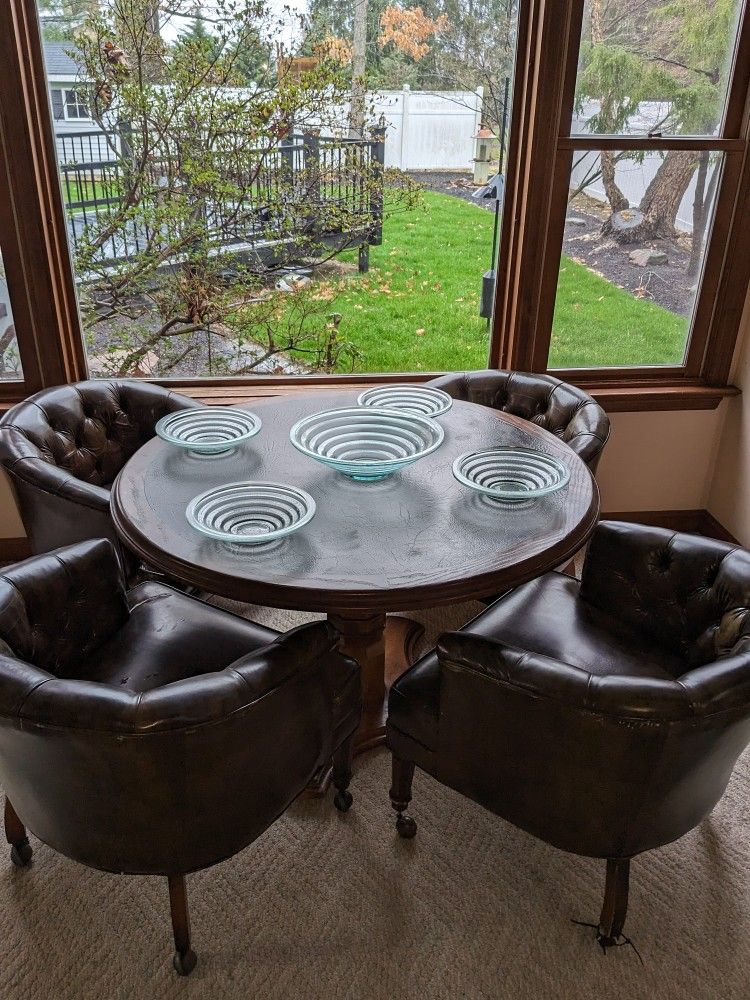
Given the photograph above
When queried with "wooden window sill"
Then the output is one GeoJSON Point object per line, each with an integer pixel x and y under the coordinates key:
{"type": "Point", "coordinates": [630, 399]}
{"type": "Point", "coordinates": [614, 399]}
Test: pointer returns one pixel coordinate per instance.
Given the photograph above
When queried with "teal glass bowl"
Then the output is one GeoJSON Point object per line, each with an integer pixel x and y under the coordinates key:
{"type": "Point", "coordinates": [208, 430]}
{"type": "Point", "coordinates": [250, 513]}
{"type": "Point", "coordinates": [511, 475]}
{"type": "Point", "coordinates": [366, 443]}
{"type": "Point", "coordinates": [420, 399]}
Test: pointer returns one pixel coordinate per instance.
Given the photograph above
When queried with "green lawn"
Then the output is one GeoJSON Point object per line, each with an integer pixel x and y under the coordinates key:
{"type": "Point", "coordinates": [417, 308]}
{"type": "Point", "coordinates": [85, 189]}
{"type": "Point", "coordinates": [598, 324]}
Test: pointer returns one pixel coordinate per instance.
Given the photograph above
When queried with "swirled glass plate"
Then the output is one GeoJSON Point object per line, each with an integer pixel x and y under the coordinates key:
{"type": "Point", "coordinates": [209, 430]}
{"type": "Point", "coordinates": [512, 475]}
{"type": "Point", "coordinates": [250, 513]}
{"type": "Point", "coordinates": [366, 443]}
{"type": "Point", "coordinates": [420, 399]}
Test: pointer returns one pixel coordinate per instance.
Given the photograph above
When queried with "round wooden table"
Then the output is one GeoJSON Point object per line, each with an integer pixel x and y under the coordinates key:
{"type": "Point", "coordinates": [414, 540]}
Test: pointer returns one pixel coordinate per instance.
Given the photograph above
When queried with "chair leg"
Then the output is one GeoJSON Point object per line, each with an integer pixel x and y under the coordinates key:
{"type": "Point", "coordinates": [615, 906]}
{"type": "Point", "coordinates": [402, 775]}
{"type": "Point", "coordinates": [184, 957]}
{"type": "Point", "coordinates": [342, 774]}
{"type": "Point", "coordinates": [15, 834]}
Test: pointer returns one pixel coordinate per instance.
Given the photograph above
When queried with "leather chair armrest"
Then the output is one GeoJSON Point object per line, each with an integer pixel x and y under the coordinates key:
{"type": "Point", "coordinates": [200, 700]}
{"type": "Point", "coordinates": [720, 686]}
{"type": "Point", "coordinates": [58, 482]}
{"type": "Point", "coordinates": [18, 680]}
{"type": "Point", "coordinates": [294, 652]}
{"type": "Point", "coordinates": [539, 676]}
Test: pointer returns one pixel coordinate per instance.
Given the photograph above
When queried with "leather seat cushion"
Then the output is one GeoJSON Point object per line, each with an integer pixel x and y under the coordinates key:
{"type": "Point", "coordinates": [168, 637]}
{"type": "Point", "coordinates": [544, 616]}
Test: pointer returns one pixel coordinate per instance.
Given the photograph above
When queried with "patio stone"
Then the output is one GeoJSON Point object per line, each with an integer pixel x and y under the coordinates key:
{"type": "Point", "coordinates": [645, 256]}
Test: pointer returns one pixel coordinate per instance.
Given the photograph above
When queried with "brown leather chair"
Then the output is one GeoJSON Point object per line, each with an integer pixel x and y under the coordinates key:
{"type": "Point", "coordinates": [562, 409]}
{"type": "Point", "coordinates": [63, 447]}
{"type": "Point", "coordinates": [144, 732]}
{"type": "Point", "coordinates": [604, 717]}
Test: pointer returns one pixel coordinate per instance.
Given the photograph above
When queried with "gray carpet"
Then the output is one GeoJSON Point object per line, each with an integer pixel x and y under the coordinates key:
{"type": "Point", "coordinates": [331, 907]}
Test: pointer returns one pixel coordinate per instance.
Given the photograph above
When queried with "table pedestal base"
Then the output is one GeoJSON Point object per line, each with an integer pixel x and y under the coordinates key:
{"type": "Point", "coordinates": [384, 648]}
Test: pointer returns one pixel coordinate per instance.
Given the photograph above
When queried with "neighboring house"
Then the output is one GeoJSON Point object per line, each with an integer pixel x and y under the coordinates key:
{"type": "Point", "coordinates": [69, 103]}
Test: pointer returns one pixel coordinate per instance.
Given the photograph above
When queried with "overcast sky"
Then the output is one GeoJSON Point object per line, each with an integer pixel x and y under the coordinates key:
{"type": "Point", "coordinates": [279, 10]}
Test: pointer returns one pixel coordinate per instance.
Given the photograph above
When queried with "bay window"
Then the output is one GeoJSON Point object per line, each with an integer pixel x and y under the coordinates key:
{"type": "Point", "coordinates": [623, 258]}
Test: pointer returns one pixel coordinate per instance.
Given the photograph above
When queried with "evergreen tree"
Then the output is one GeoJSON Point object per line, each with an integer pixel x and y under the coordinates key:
{"type": "Point", "coordinates": [200, 40]}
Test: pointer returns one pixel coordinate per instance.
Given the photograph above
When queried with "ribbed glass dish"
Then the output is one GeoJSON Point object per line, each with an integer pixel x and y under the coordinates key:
{"type": "Point", "coordinates": [209, 430]}
{"type": "Point", "coordinates": [250, 513]}
{"type": "Point", "coordinates": [419, 399]}
{"type": "Point", "coordinates": [511, 475]}
{"type": "Point", "coordinates": [366, 443]}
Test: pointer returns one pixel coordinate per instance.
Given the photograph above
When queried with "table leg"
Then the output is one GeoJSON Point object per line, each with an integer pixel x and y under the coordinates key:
{"type": "Point", "coordinates": [384, 648]}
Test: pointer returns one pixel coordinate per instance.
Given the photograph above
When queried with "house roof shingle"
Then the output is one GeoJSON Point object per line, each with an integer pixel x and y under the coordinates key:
{"type": "Point", "coordinates": [59, 59]}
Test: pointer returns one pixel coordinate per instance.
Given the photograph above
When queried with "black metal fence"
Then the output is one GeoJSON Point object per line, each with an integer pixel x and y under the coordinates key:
{"type": "Point", "coordinates": [305, 186]}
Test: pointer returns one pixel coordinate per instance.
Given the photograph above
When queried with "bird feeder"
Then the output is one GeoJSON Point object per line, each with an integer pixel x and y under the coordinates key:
{"type": "Point", "coordinates": [483, 141]}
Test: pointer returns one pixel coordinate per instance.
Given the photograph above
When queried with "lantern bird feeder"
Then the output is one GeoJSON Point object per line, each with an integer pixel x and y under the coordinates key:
{"type": "Point", "coordinates": [483, 141]}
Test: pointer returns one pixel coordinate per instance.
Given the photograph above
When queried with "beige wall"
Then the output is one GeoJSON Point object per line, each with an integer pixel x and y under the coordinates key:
{"type": "Point", "coordinates": [660, 461]}
{"type": "Point", "coordinates": [10, 522]}
{"type": "Point", "coordinates": [729, 494]}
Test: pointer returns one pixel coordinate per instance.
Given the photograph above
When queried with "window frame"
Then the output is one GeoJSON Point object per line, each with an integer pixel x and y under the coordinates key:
{"type": "Point", "coordinates": [32, 226]}
{"type": "Point", "coordinates": [532, 239]}
{"type": "Point", "coordinates": [42, 286]}
{"type": "Point", "coordinates": [79, 102]}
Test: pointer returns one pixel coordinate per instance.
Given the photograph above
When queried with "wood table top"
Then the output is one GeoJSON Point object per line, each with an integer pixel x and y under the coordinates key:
{"type": "Point", "coordinates": [415, 539]}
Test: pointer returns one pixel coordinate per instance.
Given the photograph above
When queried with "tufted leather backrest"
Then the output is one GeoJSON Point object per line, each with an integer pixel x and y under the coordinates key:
{"type": "Point", "coordinates": [58, 608]}
{"type": "Point", "coordinates": [89, 429]}
{"type": "Point", "coordinates": [564, 410]}
{"type": "Point", "coordinates": [691, 594]}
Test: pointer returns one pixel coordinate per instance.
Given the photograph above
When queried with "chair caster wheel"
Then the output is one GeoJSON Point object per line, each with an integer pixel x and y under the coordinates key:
{"type": "Point", "coordinates": [343, 800]}
{"type": "Point", "coordinates": [405, 826]}
{"type": "Point", "coordinates": [184, 962]}
{"type": "Point", "coordinates": [20, 854]}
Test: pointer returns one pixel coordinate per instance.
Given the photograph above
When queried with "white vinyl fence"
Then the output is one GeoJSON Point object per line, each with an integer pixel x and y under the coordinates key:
{"type": "Point", "coordinates": [425, 130]}
{"type": "Point", "coordinates": [429, 130]}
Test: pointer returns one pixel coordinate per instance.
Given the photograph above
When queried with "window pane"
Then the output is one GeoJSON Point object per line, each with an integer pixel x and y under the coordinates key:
{"type": "Point", "coordinates": [10, 361]}
{"type": "Point", "coordinates": [629, 279]}
{"type": "Point", "coordinates": [654, 66]}
{"type": "Point", "coordinates": [225, 189]}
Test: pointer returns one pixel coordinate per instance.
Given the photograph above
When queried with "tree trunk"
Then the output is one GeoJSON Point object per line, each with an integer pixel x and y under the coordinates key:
{"type": "Point", "coordinates": [661, 199]}
{"type": "Point", "coordinates": [615, 197]}
{"type": "Point", "coordinates": [152, 53]}
{"type": "Point", "coordinates": [359, 56]}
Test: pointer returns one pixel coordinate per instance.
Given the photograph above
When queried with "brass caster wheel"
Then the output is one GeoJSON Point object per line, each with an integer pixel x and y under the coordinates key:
{"type": "Point", "coordinates": [20, 854]}
{"type": "Point", "coordinates": [405, 826]}
{"type": "Point", "coordinates": [343, 800]}
{"type": "Point", "coordinates": [184, 962]}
